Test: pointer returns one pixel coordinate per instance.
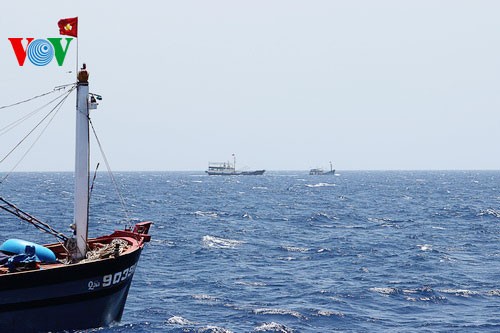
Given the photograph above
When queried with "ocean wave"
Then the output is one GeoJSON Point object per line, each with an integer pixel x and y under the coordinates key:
{"type": "Point", "coordinates": [385, 290]}
{"type": "Point", "coordinates": [214, 329]}
{"type": "Point", "coordinates": [423, 294]}
{"type": "Point", "coordinates": [438, 228]}
{"type": "Point", "coordinates": [252, 284]}
{"type": "Point", "coordinates": [495, 292]}
{"type": "Point", "coordinates": [206, 214]}
{"type": "Point", "coordinates": [273, 327]}
{"type": "Point", "coordinates": [163, 242]}
{"type": "Point", "coordinates": [294, 249]}
{"type": "Point", "coordinates": [425, 247]}
{"type": "Point", "coordinates": [328, 313]}
{"type": "Point", "coordinates": [219, 243]}
{"type": "Point", "coordinates": [286, 258]}
{"type": "Point", "coordinates": [321, 217]}
{"type": "Point", "coordinates": [432, 299]}
{"type": "Point", "coordinates": [286, 312]}
{"type": "Point", "coordinates": [388, 222]}
{"type": "Point", "coordinates": [320, 185]}
{"type": "Point", "coordinates": [380, 219]}
{"type": "Point", "coordinates": [204, 297]}
{"type": "Point", "coordinates": [459, 292]}
{"type": "Point", "coordinates": [490, 211]}
{"type": "Point", "coordinates": [178, 320]}
{"type": "Point", "coordinates": [247, 216]}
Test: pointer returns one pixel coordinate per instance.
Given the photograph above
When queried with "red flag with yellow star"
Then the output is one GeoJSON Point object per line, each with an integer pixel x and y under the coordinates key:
{"type": "Point", "coordinates": [68, 26]}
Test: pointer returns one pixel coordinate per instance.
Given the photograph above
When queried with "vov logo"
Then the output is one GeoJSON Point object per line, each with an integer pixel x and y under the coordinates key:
{"type": "Point", "coordinates": [40, 52]}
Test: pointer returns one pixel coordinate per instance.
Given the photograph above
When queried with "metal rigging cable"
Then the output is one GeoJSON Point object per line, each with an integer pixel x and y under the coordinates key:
{"type": "Point", "coordinates": [35, 97]}
{"type": "Point", "coordinates": [48, 118]}
{"type": "Point", "coordinates": [53, 111]}
{"type": "Point", "coordinates": [19, 121]}
{"type": "Point", "coordinates": [8, 207]}
{"type": "Point", "coordinates": [120, 197]}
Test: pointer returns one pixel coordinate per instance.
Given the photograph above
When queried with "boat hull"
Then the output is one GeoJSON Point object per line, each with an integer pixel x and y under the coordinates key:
{"type": "Point", "coordinates": [253, 173]}
{"type": "Point", "coordinates": [236, 173]}
{"type": "Point", "coordinates": [76, 296]}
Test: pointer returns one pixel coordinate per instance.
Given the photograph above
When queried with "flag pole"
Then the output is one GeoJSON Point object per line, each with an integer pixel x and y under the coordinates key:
{"type": "Point", "coordinates": [66, 26]}
{"type": "Point", "coordinates": [77, 56]}
{"type": "Point", "coordinates": [77, 49]}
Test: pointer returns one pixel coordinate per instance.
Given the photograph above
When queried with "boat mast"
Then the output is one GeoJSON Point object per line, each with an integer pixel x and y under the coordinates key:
{"type": "Point", "coordinates": [82, 165]}
{"type": "Point", "coordinates": [234, 163]}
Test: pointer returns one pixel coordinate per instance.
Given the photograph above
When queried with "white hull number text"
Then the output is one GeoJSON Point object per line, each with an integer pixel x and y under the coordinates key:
{"type": "Point", "coordinates": [112, 279]}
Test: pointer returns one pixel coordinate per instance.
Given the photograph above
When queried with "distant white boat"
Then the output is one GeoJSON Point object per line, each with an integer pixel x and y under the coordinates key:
{"type": "Point", "coordinates": [228, 169]}
{"type": "Point", "coordinates": [320, 171]}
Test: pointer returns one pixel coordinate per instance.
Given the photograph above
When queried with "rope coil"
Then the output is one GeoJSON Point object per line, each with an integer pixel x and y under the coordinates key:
{"type": "Point", "coordinates": [115, 248]}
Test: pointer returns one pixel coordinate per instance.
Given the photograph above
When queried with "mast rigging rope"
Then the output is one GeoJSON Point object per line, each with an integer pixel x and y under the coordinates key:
{"type": "Point", "coordinates": [8, 207]}
{"type": "Point", "coordinates": [35, 97]}
{"type": "Point", "coordinates": [56, 108]}
{"type": "Point", "coordinates": [19, 121]}
{"type": "Point", "coordinates": [120, 197]}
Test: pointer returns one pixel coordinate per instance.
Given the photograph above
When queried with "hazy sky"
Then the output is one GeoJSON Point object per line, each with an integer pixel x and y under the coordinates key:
{"type": "Point", "coordinates": [284, 85]}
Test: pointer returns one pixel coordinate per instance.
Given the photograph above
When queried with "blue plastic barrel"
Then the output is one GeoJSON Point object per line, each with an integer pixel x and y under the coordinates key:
{"type": "Point", "coordinates": [18, 246]}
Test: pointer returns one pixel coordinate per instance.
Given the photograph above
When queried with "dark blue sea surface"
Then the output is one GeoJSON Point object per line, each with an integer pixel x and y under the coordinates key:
{"type": "Point", "coordinates": [288, 252]}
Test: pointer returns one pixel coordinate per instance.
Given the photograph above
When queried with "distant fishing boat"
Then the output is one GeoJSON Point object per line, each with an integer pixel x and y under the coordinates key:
{"type": "Point", "coordinates": [77, 282]}
{"type": "Point", "coordinates": [319, 171]}
{"type": "Point", "coordinates": [228, 169]}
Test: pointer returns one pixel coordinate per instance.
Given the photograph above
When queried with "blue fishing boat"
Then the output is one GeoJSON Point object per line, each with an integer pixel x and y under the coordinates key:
{"type": "Point", "coordinates": [76, 282]}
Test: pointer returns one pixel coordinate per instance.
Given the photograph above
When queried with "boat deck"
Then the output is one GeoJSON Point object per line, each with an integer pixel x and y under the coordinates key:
{"type": "Point", "coordinates": [99, 249]}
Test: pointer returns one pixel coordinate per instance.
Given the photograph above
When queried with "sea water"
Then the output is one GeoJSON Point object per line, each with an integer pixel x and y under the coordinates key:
{"type": "Point", "coordinates": [288, 252]}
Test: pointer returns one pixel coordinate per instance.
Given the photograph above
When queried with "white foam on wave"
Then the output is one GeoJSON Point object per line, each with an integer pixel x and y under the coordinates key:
{"type": "Point", "coordinates": [295, 249]}
{"type": "Point", "coordinates": [204, 297]}
{"type": "Point", "coordinates": [251, 284]}
{"type": "Point", "coordinates": [384, 290]}
{"type": "Point", "coordinates": [247, 216]}
{"type": "Point", "coordinates": [272, 311]}
{"type": "Point", "coordinates": [287, 258]}
{"type": "Point", "coordinates": [459, 292]}
{"type": "Point", "coordinates": [215, 329]}
{"type": "Point", "coordinates": [163, 242]}
{"type": "Point", "coordinates": [206, 214]}
{"type": "Point", "coordinates": [178, 320]}
{"type": "Point", "coordinates": [219, 243]}
{"type": "Point", "coordinates": [425, 247]}
{"type": "Point", "coordinates": [320, 185]}
{"type": "Point", "coordinates": [490, 211]}
{"type": "Point", "coordinates": [272, 327]}
{"type": "Point", "coordinates": [495, 292]}
{"type": "Point", "coordinates": [328, 313]}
